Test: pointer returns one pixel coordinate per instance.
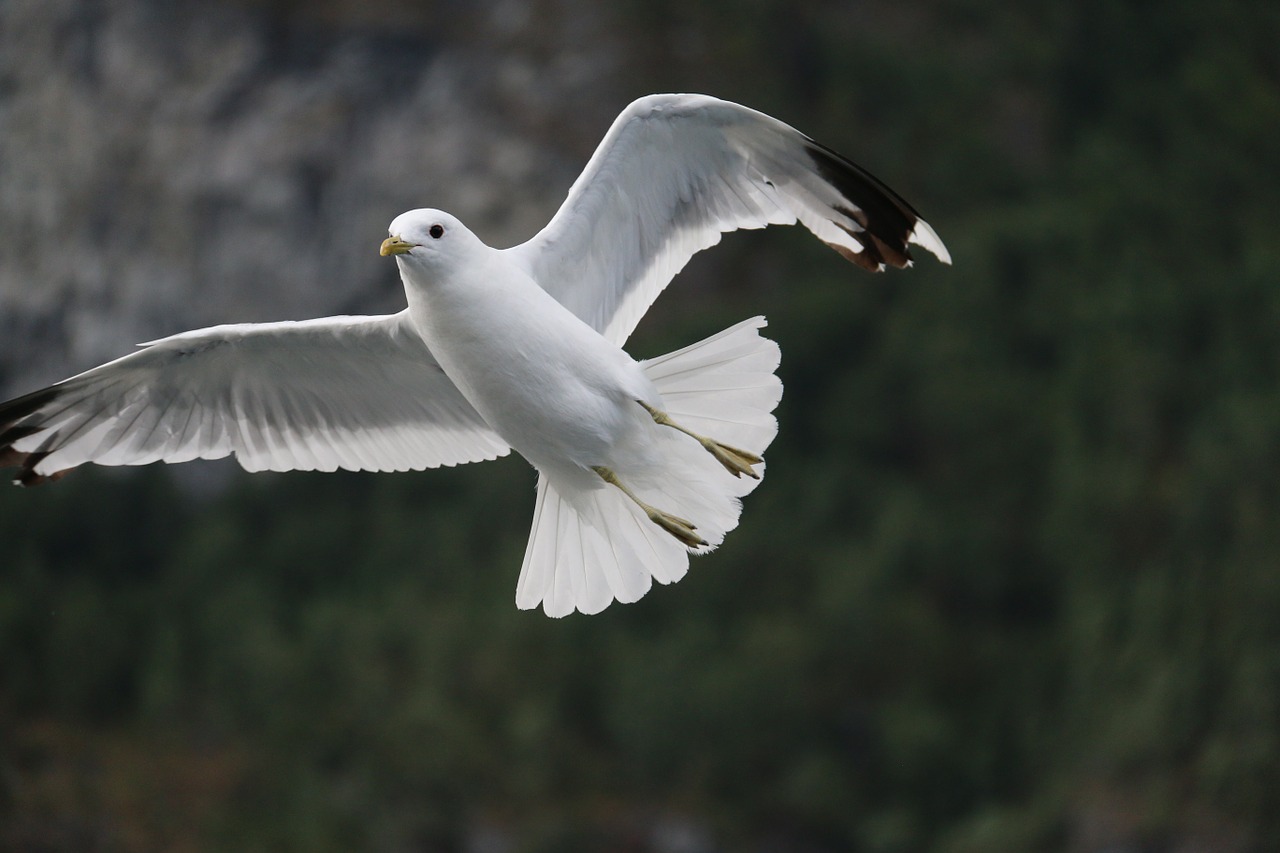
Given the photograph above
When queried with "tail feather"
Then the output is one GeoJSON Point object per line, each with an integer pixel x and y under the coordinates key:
{"type": "Point", "coordinates": [585, 553]}
{"type": "Point", "coordinates": [590, 544]}
{"type": "Point", "coordinates": [724, 387]}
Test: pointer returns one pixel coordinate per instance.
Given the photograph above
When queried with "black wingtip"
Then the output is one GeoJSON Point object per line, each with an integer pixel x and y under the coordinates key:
{"type": "Point", "coordinates": [27, 475]}
{"type": "Point", "coordinates": [886, 220]}
{"type": "Point", "coordinates": [12, 411]}
{"type": "Point", "coordinates": [12, 430]}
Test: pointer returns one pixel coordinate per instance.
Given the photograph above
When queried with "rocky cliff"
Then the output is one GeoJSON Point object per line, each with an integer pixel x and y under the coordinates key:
{"type": "Point", "coordinates": [168, 165]}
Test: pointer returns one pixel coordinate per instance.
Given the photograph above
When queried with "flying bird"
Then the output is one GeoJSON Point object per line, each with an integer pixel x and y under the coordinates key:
{"type": "Point", "coordinates": [640, 463]}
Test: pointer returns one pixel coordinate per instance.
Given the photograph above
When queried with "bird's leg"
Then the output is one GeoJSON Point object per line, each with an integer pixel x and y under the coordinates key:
{"type": "Point", "coordinates": [675, 525]}
{"type": "Point", "coordinates": [735, 460]}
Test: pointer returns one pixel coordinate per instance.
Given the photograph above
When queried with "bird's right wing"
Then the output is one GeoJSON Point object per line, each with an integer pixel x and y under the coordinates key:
{"type": "Point", "coordinates": [675, 172]}
{"type": "Point", "coordinates": [359, 393]}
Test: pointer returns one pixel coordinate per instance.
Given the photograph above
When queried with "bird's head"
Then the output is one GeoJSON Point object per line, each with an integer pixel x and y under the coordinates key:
{"type": "Point", "coordinates": [427, 238]}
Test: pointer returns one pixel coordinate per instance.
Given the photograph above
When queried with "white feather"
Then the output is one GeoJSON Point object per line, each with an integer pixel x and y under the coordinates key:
{"type": "Point", "coordinates": [590, 544]}
{"type": "Point", "coordinates": [360, 393]}
{"type": "Point", "coordinates": [675, 172]}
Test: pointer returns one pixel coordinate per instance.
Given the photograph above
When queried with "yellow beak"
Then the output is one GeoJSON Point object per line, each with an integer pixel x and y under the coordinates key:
{"type": "Point", "coordinates": [395, 246]}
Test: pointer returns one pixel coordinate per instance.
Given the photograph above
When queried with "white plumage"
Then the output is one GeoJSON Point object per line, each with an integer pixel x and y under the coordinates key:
{"type": "Point", "coordinates": [639, 463]}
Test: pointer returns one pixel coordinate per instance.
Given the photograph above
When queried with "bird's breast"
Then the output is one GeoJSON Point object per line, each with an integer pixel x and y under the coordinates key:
{"type": "Point", "coordinates": [553, 388]}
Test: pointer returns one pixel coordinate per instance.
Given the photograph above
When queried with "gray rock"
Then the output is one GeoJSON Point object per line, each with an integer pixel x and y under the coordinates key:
{"type": "Point", "coordinates": [170, 165]}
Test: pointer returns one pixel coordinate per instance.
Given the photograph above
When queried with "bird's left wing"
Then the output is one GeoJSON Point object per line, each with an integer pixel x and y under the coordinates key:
{"type": "Point", "coordinates": [360, 393]}
{"type": "Point", "coordinates": [673, 173]}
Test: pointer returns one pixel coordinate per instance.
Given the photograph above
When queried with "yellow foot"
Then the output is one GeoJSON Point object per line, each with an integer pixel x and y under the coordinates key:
{"type": "Point", "coordinates": [678, 527]}
{"type": "Point", "coordinates": [735, 460]}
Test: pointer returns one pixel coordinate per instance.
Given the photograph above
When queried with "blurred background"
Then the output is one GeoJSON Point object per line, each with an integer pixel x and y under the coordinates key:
{"type": "Point", "coordinates": [1013, 583]}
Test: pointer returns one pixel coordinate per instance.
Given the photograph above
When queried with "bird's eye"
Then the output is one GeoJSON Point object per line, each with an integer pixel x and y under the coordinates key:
{"type": "Point", "coordinates": [436, 232]}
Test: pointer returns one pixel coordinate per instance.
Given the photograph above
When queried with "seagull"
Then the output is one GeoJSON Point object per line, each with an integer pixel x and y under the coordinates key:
{"type": "Point", "coordinates": [640, 463]}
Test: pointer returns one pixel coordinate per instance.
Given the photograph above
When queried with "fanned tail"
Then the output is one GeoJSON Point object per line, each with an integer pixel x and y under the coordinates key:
{"type": "Point", "coordinates": [591, 545]}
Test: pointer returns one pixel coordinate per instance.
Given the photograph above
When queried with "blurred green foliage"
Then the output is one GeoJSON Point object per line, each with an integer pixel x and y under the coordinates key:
{"type": "Point", "coordinates": [1013, 582]}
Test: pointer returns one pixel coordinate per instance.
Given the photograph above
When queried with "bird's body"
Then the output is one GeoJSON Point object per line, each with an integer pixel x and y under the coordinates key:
{"type": "Point", "coordinates": [640, 463]}
{"type": "Point", "coordinates": [488, 323]}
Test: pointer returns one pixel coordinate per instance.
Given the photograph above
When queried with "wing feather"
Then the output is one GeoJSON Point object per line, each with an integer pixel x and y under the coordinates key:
{"type": "Point", "coordinates": [360, 393]}
{"type": "Point", "coordinates": [675, 172]}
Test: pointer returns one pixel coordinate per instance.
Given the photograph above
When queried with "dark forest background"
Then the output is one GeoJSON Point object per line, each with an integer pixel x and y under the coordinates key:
{"type": "Point", "coordinates": [1012, 583]}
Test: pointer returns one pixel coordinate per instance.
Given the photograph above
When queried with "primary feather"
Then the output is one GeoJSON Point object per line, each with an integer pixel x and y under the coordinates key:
{"type": "Point", "coordinates": [673, 174]}
{"type": "Point", "coordinates": [358, 393]}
